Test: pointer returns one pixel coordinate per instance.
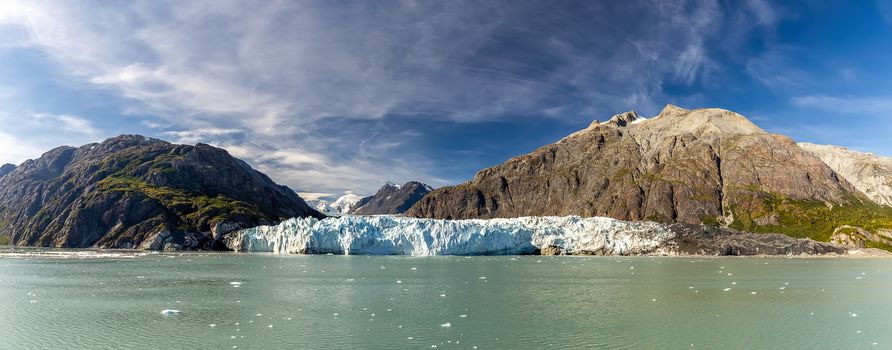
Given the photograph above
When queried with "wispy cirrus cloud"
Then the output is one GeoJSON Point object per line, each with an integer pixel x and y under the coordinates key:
{"type": "Point", "coordinates": [267, 79]}
{"type": "Point", "coordinates": [868, 106]}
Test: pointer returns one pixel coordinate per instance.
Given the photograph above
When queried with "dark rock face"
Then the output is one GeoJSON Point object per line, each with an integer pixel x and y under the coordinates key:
{"type": "Point", "coordinates": [6, 169]}
{"type": "Point", "coordinates": [136, 192]}
{"type": "Point", "coordinates": [392, 199]}
{"type": "Point", "coordinates": [710, 240]}
{"type": "Point", "coordinates": [705, 166]}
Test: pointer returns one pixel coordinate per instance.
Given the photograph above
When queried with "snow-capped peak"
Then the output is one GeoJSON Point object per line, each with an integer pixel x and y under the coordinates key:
{"type": "Point", "coordinates": [340, 206]}
{"type": "Point", "coordinates": [343, 204]}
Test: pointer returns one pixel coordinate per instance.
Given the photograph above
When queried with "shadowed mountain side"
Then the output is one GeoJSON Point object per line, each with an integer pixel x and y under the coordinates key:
{"type": "Point", "coordinates": [135, 192]}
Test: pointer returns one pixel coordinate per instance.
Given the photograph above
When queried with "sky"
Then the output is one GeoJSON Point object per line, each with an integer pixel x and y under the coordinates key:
{"type": "Point", "coordinates": [334, 96]}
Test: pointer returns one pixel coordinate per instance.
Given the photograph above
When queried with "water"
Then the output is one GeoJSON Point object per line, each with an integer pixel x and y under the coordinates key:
{"type": "Point", "coordinates": [531, 302]}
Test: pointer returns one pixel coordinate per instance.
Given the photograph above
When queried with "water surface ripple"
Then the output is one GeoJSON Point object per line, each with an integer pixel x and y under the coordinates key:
{"type": "Point", "coordinates": [261, 301]}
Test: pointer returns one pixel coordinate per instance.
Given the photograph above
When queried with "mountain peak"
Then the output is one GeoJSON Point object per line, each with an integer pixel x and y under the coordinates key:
{"type": "Point", "coordinates": [701, 122]}
{"type": "Point", "coordinates": [672, 110]}
{"type": "Point", "coordinates": [135, 192]}
{"type": "Point", "coordinates": [623, 119]}
{"type": "Point", "coordinates": [392, 199]}
{"type": "Point", "coordinates": [6, 169]}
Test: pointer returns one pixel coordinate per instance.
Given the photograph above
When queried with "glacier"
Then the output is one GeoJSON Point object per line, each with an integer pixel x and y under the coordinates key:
{"type": "Point", "coordinates": [396, 235]}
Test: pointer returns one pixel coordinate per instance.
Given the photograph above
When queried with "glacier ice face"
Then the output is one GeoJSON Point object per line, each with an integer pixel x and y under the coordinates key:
{"type": "Point", "coordinates": [394, 235]}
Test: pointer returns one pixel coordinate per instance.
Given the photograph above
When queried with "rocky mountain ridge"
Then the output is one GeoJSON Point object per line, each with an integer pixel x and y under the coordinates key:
{"type": "Point", "coordinates": [392, 199]}
{"type": "Point", "coordinates": [136, 192]}
{"type": "Point", "coordinates": [869, 173]}
{"type": "Point", "coordinates": [704, 166]}
{"type": "Point", "coordinates": [6, 169]}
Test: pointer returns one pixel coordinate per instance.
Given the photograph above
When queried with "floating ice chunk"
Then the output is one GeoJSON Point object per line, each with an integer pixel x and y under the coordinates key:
{"type": "Point", "coordinates": [169, 312]}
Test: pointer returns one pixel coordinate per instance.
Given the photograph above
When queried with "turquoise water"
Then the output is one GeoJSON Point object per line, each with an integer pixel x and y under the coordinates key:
{"type": "Point", "coordinates": [530, 302]}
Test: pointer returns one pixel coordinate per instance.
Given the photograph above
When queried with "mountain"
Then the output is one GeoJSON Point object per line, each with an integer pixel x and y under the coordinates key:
{"type": "Point", "coordinates": [868, 172]}
{"type": "Point", "coordinates": [320, 205]}
{"type": "Point", "coordinates": [136, 192]}
{"type": "Point", "coordinates": [340, 206]}
{"type": "Point", "coordinates": [6, 169]}
{"type": "Point", "coordinates": [704, 166]}
{"type": "Point", "coordinates": [392, 199]}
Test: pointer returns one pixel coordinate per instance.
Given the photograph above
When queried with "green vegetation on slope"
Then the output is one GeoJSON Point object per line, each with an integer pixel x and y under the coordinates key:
{"type": "Point", "coordinates": [194, 207]}
{"type": "Point", "coordinates": [810, 218]}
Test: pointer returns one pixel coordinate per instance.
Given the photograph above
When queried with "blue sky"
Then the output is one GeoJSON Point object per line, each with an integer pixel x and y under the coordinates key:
{"type": "Point", "coordinates": [334, 96]}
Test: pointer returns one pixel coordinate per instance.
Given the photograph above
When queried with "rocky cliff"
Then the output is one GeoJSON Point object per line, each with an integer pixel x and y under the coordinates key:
{"type": "Point", "coordinates": [392, 199]}
{"type": "Point", "coordinates": [6, 169]}
{"type": "Point", "coordinates": [868, 172]}
{"type": "Point", "coordinates": [136, 192]}
{"type": "Point", "coordinates": [704, 166]}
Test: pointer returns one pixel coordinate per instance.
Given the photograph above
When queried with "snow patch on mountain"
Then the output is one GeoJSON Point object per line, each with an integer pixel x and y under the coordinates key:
{"type": "Point", "coordinates": [340, 206]}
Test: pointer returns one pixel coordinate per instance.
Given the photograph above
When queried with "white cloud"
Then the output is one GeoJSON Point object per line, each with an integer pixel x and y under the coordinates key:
{"type": "Point", "coordinates": [255, 77]}
{"type": "Point", "coordinates": [872, 106]}
{"type": "Point", "coordinates": [64, 123]}
{"type": "Point", "coordinates": [23, 138]}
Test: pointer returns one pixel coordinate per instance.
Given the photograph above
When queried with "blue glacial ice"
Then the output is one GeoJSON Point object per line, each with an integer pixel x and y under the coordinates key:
{"type": "Point", "coordinates": [395, 235]}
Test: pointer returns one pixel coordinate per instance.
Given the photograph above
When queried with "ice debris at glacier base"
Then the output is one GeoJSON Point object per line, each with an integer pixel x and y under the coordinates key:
{"type": "Point", "coordinates": [395, 235]}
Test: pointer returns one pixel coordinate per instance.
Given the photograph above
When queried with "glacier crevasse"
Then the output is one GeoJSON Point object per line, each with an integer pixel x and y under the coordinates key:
{"type": "Point", "coordinates": [395, 235]}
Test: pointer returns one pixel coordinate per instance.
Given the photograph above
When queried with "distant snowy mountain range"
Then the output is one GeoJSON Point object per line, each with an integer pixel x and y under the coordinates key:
{"type": "Point", "coordinates": [340, 206]}
{"type": "Point", "coordinates": [390, 199]}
